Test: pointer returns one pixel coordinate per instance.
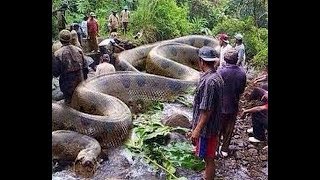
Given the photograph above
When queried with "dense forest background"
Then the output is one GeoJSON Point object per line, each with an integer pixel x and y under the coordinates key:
{"type": "Point", "coordinates": [167, 19]}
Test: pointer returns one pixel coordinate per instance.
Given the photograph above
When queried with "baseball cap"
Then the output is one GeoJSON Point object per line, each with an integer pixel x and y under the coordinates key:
{"type": "Point", "coordinates": [208, 54]}
{"type": "Point", "coordinates": [238, 36]}
{"type": "Point", "coordinates": [231, 56]}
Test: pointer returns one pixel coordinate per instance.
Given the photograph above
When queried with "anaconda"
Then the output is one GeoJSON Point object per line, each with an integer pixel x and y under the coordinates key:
{"type": "Point", "coordinates": [70, 145]}
{"type": "Point", "coordinates": [99, 105]}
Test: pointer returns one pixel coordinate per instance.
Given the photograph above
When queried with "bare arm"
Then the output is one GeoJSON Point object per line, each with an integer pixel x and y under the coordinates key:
{"type": "Point", "coordinates": [261, 78]}
{"type": "Point", "coordinates": [254, 109]}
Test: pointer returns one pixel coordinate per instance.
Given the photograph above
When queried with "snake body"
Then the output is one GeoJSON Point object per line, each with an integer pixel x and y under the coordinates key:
{"type": "Point", "coordinates": [70, 145]}
{"type": "Point", "coordinates": [99, 105]}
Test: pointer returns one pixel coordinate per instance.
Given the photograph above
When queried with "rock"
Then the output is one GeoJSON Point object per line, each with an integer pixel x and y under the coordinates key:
{"type": "Point", "coordinates": [238, 155]}
{"type": "Point", "coordinates": [263, 157]}
{"type": "Point", "coordinates": [245, 163]}
{"type": "Point", "coordinates": [240, 143]}
{"type": "Point", "coordinates": [253, 151]}
{"type": "Point", "coordinates": [177, 120]}
{"type": "Point", "coordinates": [57, 95]}
{"type": "Point", "coordinates": [176, 137]}
{"type": "Point", "coordinates": [250, 146]}
{"type": "Point", "coordinates": [233, 147]}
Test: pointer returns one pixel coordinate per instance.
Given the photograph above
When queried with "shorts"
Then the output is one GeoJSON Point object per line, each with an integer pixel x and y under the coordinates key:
{"type": "Point", "coordinates": [206, 147]}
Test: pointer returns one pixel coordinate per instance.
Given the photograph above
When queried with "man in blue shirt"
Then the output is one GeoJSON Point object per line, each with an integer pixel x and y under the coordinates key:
{"type": "Point", "coordinates": [234, 79]}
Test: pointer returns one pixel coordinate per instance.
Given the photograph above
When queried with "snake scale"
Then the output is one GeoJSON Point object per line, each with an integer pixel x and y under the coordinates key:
{"type": "Point", "coordinates": [99, 107]}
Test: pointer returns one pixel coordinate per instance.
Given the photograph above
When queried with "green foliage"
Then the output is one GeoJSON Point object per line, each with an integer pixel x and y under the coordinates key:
{"type": "Point", "coordinates": [160, 19]}
{"type": "Point", "coordinates": [255, 39]}
{"type": "Point", "coordinates": [208, 10]}
{"type": "Point", "coordinates": [198, 24]}
{"type": "Point", "coordinates": [258, 9]}
{"type": "Point", "coordinates": [149, 141]}
{"type": "Point", "coordinates": [180, 154]}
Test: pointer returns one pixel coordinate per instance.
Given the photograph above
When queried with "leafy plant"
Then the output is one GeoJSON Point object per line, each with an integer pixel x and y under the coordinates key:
{"type": "Point", "coordinates": [149, 141]}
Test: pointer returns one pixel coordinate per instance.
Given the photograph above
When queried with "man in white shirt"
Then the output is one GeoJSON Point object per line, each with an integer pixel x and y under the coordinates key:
{"type": "Point", "coordinates": [105, 67]}
{"type": "Point", "coordinates": [83, 26]}
{"type": "Point", "coordinates": [224, 43]}
{"type": "Point", "coordinates": [113, 22]}
{"type": "Point", "coordinates": [124, 17]}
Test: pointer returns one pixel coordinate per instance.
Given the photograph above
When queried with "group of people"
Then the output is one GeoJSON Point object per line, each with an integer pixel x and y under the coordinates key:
{"type": "Point", "coordinates": [89, 27]}
{"type": "Point", "coordinates": [216, 102]}
{"type": "Point", "coordinates": [71, 66]}
{"type": "Point", "coordinates": [114, 21]}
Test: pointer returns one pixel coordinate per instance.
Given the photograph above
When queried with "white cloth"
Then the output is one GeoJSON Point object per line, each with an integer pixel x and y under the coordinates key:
{"type": "Point", "coordinates": [124, 15]}
{"type": "Point", "coordinates": [222, 51]}
{"type": "Point", "coordinates": [104, 68]}
{"type": "Point", "coordinates": [108, 44]}
{"type": "Point", "coordinates": [84, 27]}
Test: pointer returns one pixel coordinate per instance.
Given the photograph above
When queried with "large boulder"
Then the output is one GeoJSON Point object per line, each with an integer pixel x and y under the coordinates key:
{"type": "Point", "coordinates": [177, 120]}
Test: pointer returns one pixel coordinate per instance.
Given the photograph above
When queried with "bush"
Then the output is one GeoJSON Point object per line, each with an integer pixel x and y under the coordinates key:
{"type": "Point", "coordinates": [160, 19]}
{"type": "Point", "coordinates": [208, 10]}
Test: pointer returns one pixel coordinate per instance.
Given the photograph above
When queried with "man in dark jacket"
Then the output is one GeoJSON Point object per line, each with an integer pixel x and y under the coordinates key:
{"type": "Point", "coordinates": [234, 79]}
{"type": "Point", "coordinates": [70, 65]}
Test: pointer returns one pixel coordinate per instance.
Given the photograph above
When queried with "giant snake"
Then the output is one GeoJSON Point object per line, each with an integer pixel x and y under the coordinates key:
{"type": "Point", "coordinates": [99, 106]}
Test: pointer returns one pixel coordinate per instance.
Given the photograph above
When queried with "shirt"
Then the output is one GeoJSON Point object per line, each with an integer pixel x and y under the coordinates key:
{"type": "Point", "coordinates": [93, 27]}
{"type": "Point", "coordinates": [84, 27]}
{"type": "Point", "coordinates": [208, 97]}
{"type": "Point", "coordinates": [124, 15]}
{"type": "Point", "coordinates": [241, 54]}
{"type": "Point", "coordinates": [234, 79]}
{"type": "Point", "coordinates": [114, 21]}
{"type": "Point", "coordinates": [104, 68]}
{"type": "Point", "coordinates": [108, 44]}
{"type": "Point", "coordinates": [69, 64]}
{"type": "Point", "coordinates": [222, 51]}
{"type": "Point", "coordinates": [61, 19]}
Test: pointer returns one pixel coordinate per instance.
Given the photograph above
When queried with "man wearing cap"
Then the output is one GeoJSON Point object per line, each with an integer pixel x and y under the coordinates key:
{"type": "Point", "coordinates": [241, 50]}
{"type": "Point", "coordinates": [113, 22]}
{"type": "Point", "coordinates": [206, 110]}
{"type": "Point", "coordinates": [234, 79]}
{"type": "Point", "coordinates": [61, 17]}
{"type": "Point", "coordinates": [105, 67]}
{"type": "Point", "coordinates": [93, 32]}
{"type": "Point", "coordinates": [124, 16]}
{"type": "Point", "coordinates": [224, 43]}
{"type": "Point", "coordinates": [69, 64]}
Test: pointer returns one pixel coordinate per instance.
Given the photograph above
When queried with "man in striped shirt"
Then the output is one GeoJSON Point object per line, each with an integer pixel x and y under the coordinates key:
{"type": "Point", "coordinates": [207, 109]}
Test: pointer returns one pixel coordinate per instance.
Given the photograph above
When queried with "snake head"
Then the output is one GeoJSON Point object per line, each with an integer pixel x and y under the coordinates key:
{"type": "Point", "coordinates": [85, 165]}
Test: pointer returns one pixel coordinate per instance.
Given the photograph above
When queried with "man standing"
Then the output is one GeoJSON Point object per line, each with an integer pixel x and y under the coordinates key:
{"type": "Point", "coordinates": [234, 79]}
{"type": "Point", "coordinates": [124, 16]}
{"type": "Point", "coordinates": [70, 65]}
{"type": "Point", "coordinates": [93, 32]}
{"type": "Point", "coordinates": [206, 110]}
{"type": "Point", "coordinates": [61, 17]}
{"type": "Point", "coordinates": [113, 22]}
{"type": "Point", "coordinates": [84, 27]}
{"type": "Point", "coordinates": [224, 43]}
{"type": "Point", "coordinates": [241, 50]}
